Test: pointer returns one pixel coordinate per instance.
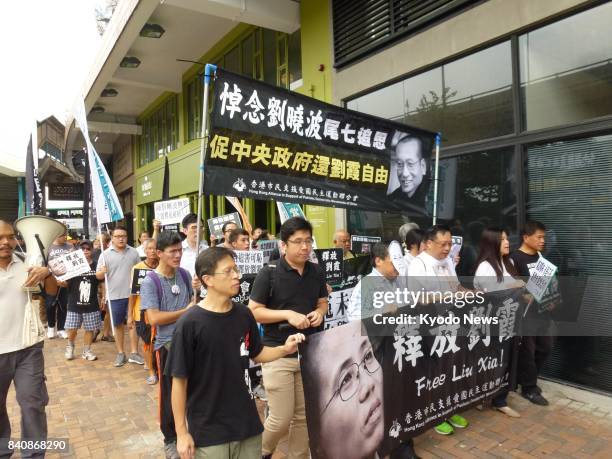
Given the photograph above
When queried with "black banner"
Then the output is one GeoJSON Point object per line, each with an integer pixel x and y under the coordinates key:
{"type": "Point", "coordinates": [415, 381]}
{"type": "Point", "coordinates": [34, 195]}
{"type": "Point", "coordinates": [270, 143]}
{"type": "Point", "coordinates": [66, 191]}
{"type": "Point", "coordinates": [137, 278]}
{"type": "Point", "coordinates": [331, 260]}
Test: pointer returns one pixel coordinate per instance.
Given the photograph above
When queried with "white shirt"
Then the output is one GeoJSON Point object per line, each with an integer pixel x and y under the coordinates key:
{"type": "Point", "coordinates": [13, 301]}
{"type": "Point", "coordinates": [440, 273]}
{"type": "Point", "coordinates": [355, 307]}
{"type": "Point", "coordinates": [141, 251]}
{"type": "Point", "coordinates": [189, 256]}
{"type": "Point", "coordinates": [485, 278]}
{"type": "Point", "coordinates": [409, 257]}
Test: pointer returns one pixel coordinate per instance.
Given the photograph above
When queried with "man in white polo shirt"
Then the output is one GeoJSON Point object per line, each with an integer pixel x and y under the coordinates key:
{"type": "Point", "coordinates": [190, 253]}
{"type": "Point", "coordinates": [22, 365]}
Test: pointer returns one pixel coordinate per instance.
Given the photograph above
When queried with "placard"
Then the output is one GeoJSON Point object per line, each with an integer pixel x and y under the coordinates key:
{"type": "Point", "coordinates": [69, 265]}
{"type": "Point", "coordinates": [457, 242]}
{"type": "Point", "coordinates": [138, 276]}
{"type": "Point", "coordinates": [363, 244]}
{"type": "Point", "coordinates": [540, 278]}
{"type": "Point", "coordinates": [173, 211]}
{"type": "Point", "coordinates": [249, 261]}
{"type": "Point", "coordinates": [267, 247]}
{"type": "Point", "coordinates": [215, 224]}
{"type": "Point", "coordinates": [331, 260]}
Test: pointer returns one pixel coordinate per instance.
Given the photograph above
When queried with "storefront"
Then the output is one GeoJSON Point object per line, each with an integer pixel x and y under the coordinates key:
{"type": "Point", "coordinates": [526, 123]}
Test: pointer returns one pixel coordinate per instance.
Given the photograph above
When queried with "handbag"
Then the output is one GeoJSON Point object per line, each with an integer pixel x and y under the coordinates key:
{"type": "Point", "coordinates": [33, 329]}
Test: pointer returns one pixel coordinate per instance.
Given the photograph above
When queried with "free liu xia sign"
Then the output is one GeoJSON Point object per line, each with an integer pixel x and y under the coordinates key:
{"type": "Point", "coordinates": [269, 143]}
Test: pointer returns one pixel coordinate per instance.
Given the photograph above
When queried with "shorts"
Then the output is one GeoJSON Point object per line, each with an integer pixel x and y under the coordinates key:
{"type": "Point", "coordinates": [249, 448]}
{"type": "Point", "coordinates": [90, 320]}
{"type": "Point", "coordinates": [119, 311]}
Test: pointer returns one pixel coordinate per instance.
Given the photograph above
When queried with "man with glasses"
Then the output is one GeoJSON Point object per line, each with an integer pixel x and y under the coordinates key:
{"type": "Point", "coordinates": [347, 384]}
{"type": "Point", "coordinates": [411, 169]}
{"type": "Point", "coordinates": [116, 264]}
{"type": "Point", "coordinates": [288, 295]}
{"type": "Point", "coordinates": [165, 295]}
{"type": "Point", "coordinates": [342, 240]}
{"type": "Point", "coordinates": [433, 271]}
{"type": "Point", "coordinates": [226, 229]}
{"type": "Point", "coordinates": [209, 361]}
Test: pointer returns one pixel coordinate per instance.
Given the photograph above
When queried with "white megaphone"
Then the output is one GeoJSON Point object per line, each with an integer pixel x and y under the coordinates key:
{"type": "Point", "coordinates": [38, 233]}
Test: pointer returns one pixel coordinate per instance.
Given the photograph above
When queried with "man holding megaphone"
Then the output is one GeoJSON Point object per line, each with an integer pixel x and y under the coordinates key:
{"type": "Point", "coordinates": [21, 356]}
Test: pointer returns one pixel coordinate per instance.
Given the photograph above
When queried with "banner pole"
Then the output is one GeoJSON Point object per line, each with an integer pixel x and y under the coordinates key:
{"type": "Point", "coordinates": [209, 71]}
{"type": "Point", "coordinates": [437, 170]}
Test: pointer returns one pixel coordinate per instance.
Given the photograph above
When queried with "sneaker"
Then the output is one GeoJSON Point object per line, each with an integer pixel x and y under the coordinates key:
{"type": "Point", "coordinates": [170, 451]}
{"type": "Point", "coordinates": [151, 380]}
{"type": "Point", "coordinates": [108, 339]}
{"type": "Point", "coordinates": [62, 334]}
{"type": "Point", "coordinates": [509, 411]}
{"type": "Point", "coordinates": [51, 332]}
{"type": "Point", "coordinates": [535, 398]}
{"type": "Point", "coordinates": [458, 422]}
{"type": "Point", "coordinates": [120, 360]}
{"type": "Point", "coordinates": [88, 355]}
{"type": "Point", "coordinates": [69, 354]}
{"type": "Point", "coordinates": [136, 358]}
{"type": "Point", "coordinates": [444, 429]}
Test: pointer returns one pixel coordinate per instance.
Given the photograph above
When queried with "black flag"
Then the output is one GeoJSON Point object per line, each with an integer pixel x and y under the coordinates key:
{"type": "Point", "coordinates": [33, 189]}
{"type": "Point", "coordinates": [166, 184]}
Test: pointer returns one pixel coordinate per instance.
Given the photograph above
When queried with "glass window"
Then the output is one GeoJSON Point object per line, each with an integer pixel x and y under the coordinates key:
{"type": "Point", "coordinates": [269, 56]}
{"type": "Point", "coordinates": [475, 191]}
{"type": "Point", "coordinates": [159, 132]}
{"type": "Point", "coordinates": [247, 56]}
{"type": "Point", "coordinates": [231, 60]}
{"type": "Point", "coordinates": [466, 100]}
{"type": "Point", "coordinates": [566, 70]}
{"type": "Point", "coordinates": [295, 56]}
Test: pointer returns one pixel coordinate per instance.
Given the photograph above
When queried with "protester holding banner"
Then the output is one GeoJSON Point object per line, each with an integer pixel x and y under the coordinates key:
{"type": "Point", "coordinates": [239, 239]}
{"type": "Point", "coordinates": [534, 350]}
{"type": "Point", "coordinates": [83, 307]}
{"type": "Point", "coordinates": [496, 271]}
{"type": "Point", "coordinates": [291, 292]}
{"type": "Point", "coordinates": [136, 318]}
{"type": "Point", "coordinates": [165, 295]}
{"type": "Point", "coordinates": [414, 243]}
{"type": "Point", "coordinates": [116, 264]}
{"type": "Point", "coordinates": [190, 252]}
{"type": "Point", "coordinates": [434, 271]}
{"type": "Point", "coordinates": [342, 240]}
{"type": "Point", "coordinates": [56, 297]}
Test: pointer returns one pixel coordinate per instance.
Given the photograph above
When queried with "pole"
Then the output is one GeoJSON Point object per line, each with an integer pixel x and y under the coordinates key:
{"type": "Point", "coordinates": [209, 70]}
{"type": "Point", "coordinates": [108, 302]}
{"type": "Point", "coordinates": [436, 173]}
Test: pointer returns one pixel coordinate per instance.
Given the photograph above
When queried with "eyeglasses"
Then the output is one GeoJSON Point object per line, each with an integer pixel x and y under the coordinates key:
{"type": "Point", "coordinates": [443, 244]}
{"type": "Point", "coordinates": [228, 272]}
{"type": "Point", "coordinates": [300, 242]}
{"type": "Point", "coordinates": [120, 237]}
{"type": "Point", "coordinates": [349, 381]}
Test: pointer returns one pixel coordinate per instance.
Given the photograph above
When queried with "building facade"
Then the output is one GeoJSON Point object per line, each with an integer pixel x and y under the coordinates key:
{"type": "Point", "coordinates": [521, 92]}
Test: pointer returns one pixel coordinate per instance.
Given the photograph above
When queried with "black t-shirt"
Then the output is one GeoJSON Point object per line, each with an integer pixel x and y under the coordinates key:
{"type": "Point", "coordinates": [279, 286]}
{"type": "Point", "coordinates": [525, 264]}
{"type": "Point", "coordinates": [83, 292]}
{"type": "Point", "coordinates": [212, 351]}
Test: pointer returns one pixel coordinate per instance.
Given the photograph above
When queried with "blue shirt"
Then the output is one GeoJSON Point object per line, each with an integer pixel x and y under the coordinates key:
{"type": "Point", "coordinates": [169, 302]}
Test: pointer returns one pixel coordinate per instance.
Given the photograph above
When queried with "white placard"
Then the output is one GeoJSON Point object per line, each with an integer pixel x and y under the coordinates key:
{"type": "Point", "coordinates": [397, 258]}
{"type": "Point", "coordinates": [173, 211]}
{"type": "Point", "coordinates": [249, 261]}
{"type": "Point", "coordinates": [456, 247]}
{"type": "Point", "coordinates": [540, 278]}
{"type": "Point", "coordinates": [69, 265]}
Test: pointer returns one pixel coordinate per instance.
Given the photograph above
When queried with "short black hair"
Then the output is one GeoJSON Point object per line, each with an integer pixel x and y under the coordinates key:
{"type": "Point", "coordinates": [223, 228]}
{"type": "Point", "coordinates": [188, 220]}
{"type": "Point", "coordinates": [379, 250]}
{"type": "Point", "coordinates": [531, 227]}
{"type": "Point", "coordinates": [432, 233]}
{"type": "Point", "coordinates": [167, 238]}
{"type": "Point", "coordinates": [119, 228]}
{"type": "Point", "coordinates": [409, 138]}
{"type": "Point", "coordinates": [414, 237]}
{"type": "Point", "coordinates": [236, 233]}
{"type": "Point", "coordinates": [207, 261]}
{"type": "Point", "coordinates": [86, 242]}
{"type": "Point", "coordinates": [292, 226]}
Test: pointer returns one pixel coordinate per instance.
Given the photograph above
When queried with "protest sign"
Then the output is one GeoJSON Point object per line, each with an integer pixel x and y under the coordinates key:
{"type": "Point", "coordinates": [457, 242]}
{"type": "Point", "coordinates": [69, 265]}
{"type": "Point", "coordinates": [363, 244]}
{"type": "Point", "coordinates": [246, 284]}
{"type": "Point", "coordinates": [215, 224]}
{"type": "Point", "coordinates": [249, 261]}
{"type": "Point", "coordinates": [540, 278]}
{"type": "Point", "coordinates": [137, 277]}
{"type": "Point", "coordinates": [267, 247]}
{"type": "Point", "coordinates": [332, 263]}
{"type": "Point", "coordinates": [270, 143]}
{"type": "Point", "coordinates": [173, 211]}
{"type": "Point", "coordinates": [415, 381]}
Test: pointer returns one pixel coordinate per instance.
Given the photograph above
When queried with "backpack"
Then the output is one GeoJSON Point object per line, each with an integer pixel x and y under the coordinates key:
{"type": "Point", "coordinates": [158, 286]}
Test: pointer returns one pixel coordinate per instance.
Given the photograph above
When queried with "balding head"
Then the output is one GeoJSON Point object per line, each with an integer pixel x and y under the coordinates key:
{"type": "Point", "coordinates": [342, 240]}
